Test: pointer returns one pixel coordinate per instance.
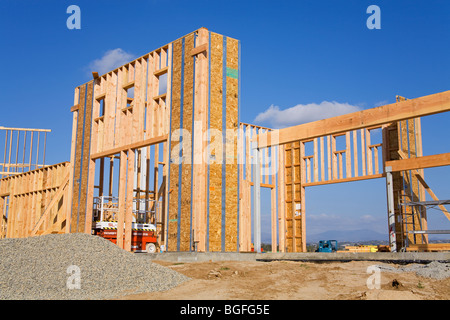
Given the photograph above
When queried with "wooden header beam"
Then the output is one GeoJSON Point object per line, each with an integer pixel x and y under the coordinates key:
{"type": "Point", "coordinates": [136, 145]}
{"type": "Point", "coordinates": [25, 129]}
{"type": "Point", "coordinates": [432, 161]}
{"type": "Point", "coordinates": [408, 109]}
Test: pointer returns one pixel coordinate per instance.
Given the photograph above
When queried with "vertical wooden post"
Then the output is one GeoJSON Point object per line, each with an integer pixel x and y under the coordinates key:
{"type": "Point", "coordinates": [348, 156]}
{"type": "Point", "coordinates": [122, 194]}
{"type": "Point", "coordinates": [199, 203]}
{"type": "Point", "coordinates": [72, 163]}
{"type": "Point", "coordinates": [129, 200]}
{"type": "Point", "coordinates": [281, 199]}
{"type": "Point", "coordinates": [302, 203]}
{"type": "Point", "coordinates": [273, 195]}
{"type": "Point", "coordinates": [257, 199]}
{"type": "Point", "coordinates": [90, 197]}
{"type": "Point", "coordinates": [355, 152]}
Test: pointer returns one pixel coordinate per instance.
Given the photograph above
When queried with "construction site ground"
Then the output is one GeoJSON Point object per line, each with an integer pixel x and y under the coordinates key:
{"type": "Point", "coordinates": [329, 276]}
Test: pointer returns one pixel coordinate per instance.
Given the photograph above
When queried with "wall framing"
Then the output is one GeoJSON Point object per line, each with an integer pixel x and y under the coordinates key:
{"type": "Point", "coordinates": [400, 124]}
{"type": "Point", "coordinates": [166, 127]}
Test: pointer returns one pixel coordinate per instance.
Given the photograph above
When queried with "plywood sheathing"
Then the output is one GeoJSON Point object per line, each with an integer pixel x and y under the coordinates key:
{"type": "Point", "coordinates": [86, 160]}
{"type": "Point", "coordinates": [216, 150]}
{"type": "Point", "coordinates": [175, 145]}
{"type": "Point", "coordinates": [78, 159]}
{"type": "Point", "coordinates": [231, 172]}
{"type": "Point", "coordinates": [186, 168]}
{"type": "Point", "coordinates": [293, 186]}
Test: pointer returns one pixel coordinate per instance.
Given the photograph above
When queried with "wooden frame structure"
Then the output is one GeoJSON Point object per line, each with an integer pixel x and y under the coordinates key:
{"type": "Point", "coordinates": [34, 202]}
{"type": "Point", "coordinates": [184, 138]}
{"type": "Point", "coordinates": [165, 128]}
{"type": "Point", "coordinates": [23, 150]}
{"type": "Point", "coordinates": [401, 152]}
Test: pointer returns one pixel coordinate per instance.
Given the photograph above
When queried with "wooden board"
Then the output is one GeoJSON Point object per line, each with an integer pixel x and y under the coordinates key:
{"type": "Point", "coordinates": [216, 151]}
{"type": "Point", "coordinates": [175, 144]}
{"type": "Point", "coordinates": [199, 178]}
{"type": "Point", "coordinates": [37, 201]}
{"type": "Point", "coordinates": [78, 159]}
{"type": "Point", "coordinates": [86, 159]}
{"type": "Point", "coordinates": [186, 168]}
{"type": "Point", "coordinates": [231, 166]}
{"type": "Point", "coordinates": [196, 93]}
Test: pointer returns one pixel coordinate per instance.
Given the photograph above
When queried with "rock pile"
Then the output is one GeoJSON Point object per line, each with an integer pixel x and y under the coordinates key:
{"type": "Point", "coordinates": [77, 266]}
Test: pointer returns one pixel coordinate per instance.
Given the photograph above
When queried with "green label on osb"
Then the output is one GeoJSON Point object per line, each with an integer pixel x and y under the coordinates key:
{"type": "Point", "coordinates": [232, 73]}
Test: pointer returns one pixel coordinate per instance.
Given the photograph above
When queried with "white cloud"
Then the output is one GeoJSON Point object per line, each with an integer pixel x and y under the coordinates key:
{"type": "Point", "coordinates": [276, 118]}
{"type": "Point", "coordinates": [110, 61]}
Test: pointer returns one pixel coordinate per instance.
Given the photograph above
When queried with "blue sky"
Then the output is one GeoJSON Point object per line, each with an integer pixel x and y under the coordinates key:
{"type": "Point", "coordinates": [293, 53]}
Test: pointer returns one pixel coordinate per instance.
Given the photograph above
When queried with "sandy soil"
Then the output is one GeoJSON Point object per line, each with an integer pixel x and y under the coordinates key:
{"type": "Point", "coordinates": [289, 280]}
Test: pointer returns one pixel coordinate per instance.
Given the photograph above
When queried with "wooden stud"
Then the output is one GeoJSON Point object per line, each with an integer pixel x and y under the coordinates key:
{"type": "Point", "coordinates": [129, 200]}
{"type": "Point", "coordinates": [122, 197]}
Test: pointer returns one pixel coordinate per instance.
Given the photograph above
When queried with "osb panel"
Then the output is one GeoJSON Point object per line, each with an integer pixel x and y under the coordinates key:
{"type": "Point", "coordinates": [174, 168]}
{"type": "Point", "coordinates": [86, 156]}
{"type": "Point", "coordinates": [292, 178]}
{"type": "Point", "coordinates": [288, 174]}
{"type": "Point", "coordinates": [288, 195]}
{"type": "Point", "coordinates": [186, 173]}
{"type": "Point", "coordinates": [289, 235]}
{"type": "Point", "coordinates": [78, 150]}
{"type": "Point", "coordinates": [408, 219]}
{"type": "Point", "coordinates": [215, 169]}
{"type": "Point", "coordinates": [414, 181]}
{"type": "Point", "coordinates": [298, 232]}
{"type": "Point", "coordinates": [231, 178]}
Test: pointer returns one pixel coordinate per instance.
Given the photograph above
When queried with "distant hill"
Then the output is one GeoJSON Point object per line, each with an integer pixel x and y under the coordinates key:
{"type": "Point", "coordinates": [347, 235]}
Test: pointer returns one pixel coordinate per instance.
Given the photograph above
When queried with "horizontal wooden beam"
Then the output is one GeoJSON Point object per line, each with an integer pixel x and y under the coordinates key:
{"type": "Point", "coordinates": [320, 183]}
{"type": "Point", "coordinates": [74, 108]}
{"type": "Point", "coordinates": [263, 185]}
{"type": "Point", "coordinates": [437, 160]}
{"type": "Point", "coordinates": [201, 48]}
{"type": "Point", "coordinates": [136, 145]}
{"type": "Point", "coordinates": [161, 96]}
{"type": "Point", "coordinates": [25, 129]}
{"type": "Point", "coordinates": [429, 247]}
{"type": "Point", "coordinates": [100, 96]}
{"type": "Point", "coordinates": [128, 85]}
{"type": "Point", "coordinates": [408, 109]}
{"type": "Point", "coordinates": [161, 71]}
{"type": "Point", "coordinates": [253, 125]}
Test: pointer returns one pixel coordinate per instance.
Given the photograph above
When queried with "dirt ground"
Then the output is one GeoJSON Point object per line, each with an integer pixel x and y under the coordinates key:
{"type": "Point", "coordinates": [290, 280]}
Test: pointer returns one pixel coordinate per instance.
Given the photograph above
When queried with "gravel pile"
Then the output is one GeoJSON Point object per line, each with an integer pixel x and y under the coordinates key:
{"type": "Point", "coordinates": [77, 266]}
{"type": "Point", "coordinates": [434, 270]}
